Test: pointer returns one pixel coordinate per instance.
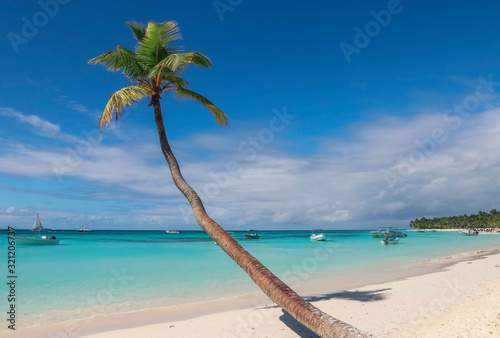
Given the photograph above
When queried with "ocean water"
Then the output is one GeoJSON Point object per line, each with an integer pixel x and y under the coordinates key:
{"type": "Point", "coordinates": [89, 272]}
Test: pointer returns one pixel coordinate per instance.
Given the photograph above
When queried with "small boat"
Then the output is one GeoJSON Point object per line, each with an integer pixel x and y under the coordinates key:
{"type": "Point", "coordinates": [318, 235]}
{"type": "Point", "coordinates": [37, 239]}
{"type": "Point", "coordinates": [252, 235]}
{"type": "Point", "coordinates": [394, 240]}
{"type": "Point", "coordinates": [85, 229]}
{"type": "Point", "coordinates": [468, 232]}
{"type": "Point", "coordinates": [383, 232]}
{"type": "Point", "coordinates": [172, 231]}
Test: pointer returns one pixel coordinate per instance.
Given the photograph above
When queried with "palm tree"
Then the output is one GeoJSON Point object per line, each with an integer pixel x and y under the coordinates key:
{"type": "Point", "coordinates": [154, 68]}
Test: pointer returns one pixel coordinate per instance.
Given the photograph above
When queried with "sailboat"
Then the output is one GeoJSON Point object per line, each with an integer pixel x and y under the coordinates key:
{"type": "Point", "coordinates": [37, 239]}
{"type": "Point", "coordinates": [85, 229]}
{"type": "Point", "coordinates": [37, 226]}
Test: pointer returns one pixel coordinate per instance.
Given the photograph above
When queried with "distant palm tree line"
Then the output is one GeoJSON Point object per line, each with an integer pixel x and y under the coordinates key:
{"type": "Point", "coordinates": [479, 220]}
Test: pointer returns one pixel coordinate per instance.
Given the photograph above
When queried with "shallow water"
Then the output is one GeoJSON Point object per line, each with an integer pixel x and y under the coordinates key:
{"type": "Point", "coordinates": [102, 268]}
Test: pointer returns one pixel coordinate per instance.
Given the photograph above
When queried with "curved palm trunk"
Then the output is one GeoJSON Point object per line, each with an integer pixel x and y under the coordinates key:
{"type": "Point", "coordinates": [321, 323]}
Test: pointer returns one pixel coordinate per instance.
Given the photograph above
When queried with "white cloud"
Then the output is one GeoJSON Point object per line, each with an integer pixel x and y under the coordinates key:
{"type": "Point", "coordinates": [436, 184]}
{"type": "Point", "coordinates": [10, 210]}
{"type": "Point", "coordinates": [341, 185]}
{"type": "Point", "coordinates": [389, 208]}
{"type": "Point", "coordinates": [338, 216]}
{"type": "Point", "coordinates": [42, 126]}
{"type": "Point", "coordinates": [460, 175]}
{"type": "Point", "coordinates": [65, 101]}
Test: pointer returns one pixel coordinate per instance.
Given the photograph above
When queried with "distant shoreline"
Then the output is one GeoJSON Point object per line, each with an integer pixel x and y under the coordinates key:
{"type": "Point", "coordinates": [241, 230]}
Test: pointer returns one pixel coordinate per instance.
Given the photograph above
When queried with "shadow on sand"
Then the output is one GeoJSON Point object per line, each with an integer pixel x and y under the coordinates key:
{"type": "Point", "coordinates": [296, 327]}
{"type": "Point", "coordinates": [360, 296]}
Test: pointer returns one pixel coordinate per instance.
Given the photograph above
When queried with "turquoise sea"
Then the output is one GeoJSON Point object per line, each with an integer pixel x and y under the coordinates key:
{"type": "Point", "coordinates": [93, 272]}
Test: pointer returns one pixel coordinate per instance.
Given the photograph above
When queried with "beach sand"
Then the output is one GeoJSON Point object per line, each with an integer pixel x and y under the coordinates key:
{"type": "Point", "coordinates": [460, 298]}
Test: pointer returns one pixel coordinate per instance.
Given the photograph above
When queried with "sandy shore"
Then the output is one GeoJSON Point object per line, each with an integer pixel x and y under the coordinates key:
{"type": "Point", "coordinates": [460, 299]}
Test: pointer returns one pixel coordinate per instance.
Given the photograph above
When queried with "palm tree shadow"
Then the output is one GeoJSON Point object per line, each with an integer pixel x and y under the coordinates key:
{"type": "Point", "coordinates": [296, 327]}
{"type": "Point", "coordinates": [360, 296]}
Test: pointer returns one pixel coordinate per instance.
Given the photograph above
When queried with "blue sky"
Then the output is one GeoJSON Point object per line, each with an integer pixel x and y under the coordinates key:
{"type": "Point", "coordinates": [343, 115]}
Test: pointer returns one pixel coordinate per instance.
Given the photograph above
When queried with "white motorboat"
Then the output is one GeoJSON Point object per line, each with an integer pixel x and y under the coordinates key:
{"type": "Point", "coordinates": [318, 235]}
{"type": "Point", "coordinates": [172, 231]}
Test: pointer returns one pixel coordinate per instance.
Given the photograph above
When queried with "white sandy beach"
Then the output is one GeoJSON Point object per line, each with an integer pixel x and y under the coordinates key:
{"type": "Point", "coordinates": [460, 300]}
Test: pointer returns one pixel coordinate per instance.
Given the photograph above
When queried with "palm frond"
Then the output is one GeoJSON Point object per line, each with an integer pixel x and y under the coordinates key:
{"type": "Point", "coordinates": [152, 47]}
{"type": "Point", "coordinates": [155, 67]}
{"type": "Point", "coordinates": [173, 49]}
{"type": "Point", "coordinates": [138, 29]}
{"type": "Point", "coordinates": [201, 60]}
{"type": "Point", "coordinates": [120, 99]}
{"type": "Point", "coordinates": [120, 59]}
{"type": "Point", "coordinates": [179, 61]}
{"type": "Point", "coordinates": [173, 80]}
{"type": "Point", "coordinates": [220, 117]}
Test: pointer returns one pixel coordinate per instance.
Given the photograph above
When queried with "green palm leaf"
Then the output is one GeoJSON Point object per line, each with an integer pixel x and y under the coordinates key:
{"type": "Point", "coordinates": [120, 99]}
{"type": "Point", "coordinates": [151, 48]}
{"type": "Point", "coordinates": [179, 61]}
{"type": "Point", "coordinates": [173, 80]}
{"type": "Point", "coordinates": [220, 117]}
{"type": "Point", "coordinates": [138, 29]}
{"type": "Point", "coordinates": [120, 59]}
